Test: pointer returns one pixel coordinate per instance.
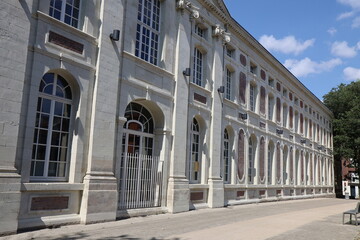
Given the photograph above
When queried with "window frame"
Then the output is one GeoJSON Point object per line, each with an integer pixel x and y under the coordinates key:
{"type": "Point", "coordinates": [147, 40]}
{"type": "Point", "coordinates": [63, 10]}
{"type": "Point", "coordinates": [229, 76]}
{"type": "Point", "coordinates": [198, 70]}
{"type": "Point", "coordinates": [50, 131]}
{"type": "Point", "coordinates": [195, 134]}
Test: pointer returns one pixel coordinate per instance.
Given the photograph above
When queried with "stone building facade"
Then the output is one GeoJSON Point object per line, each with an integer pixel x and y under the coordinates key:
{"type": "Point", "coordinates": [119, 108]}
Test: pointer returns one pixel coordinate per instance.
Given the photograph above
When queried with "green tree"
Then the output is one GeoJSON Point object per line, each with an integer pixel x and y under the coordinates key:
{"type": "Point", "coordinates": [344, 102]}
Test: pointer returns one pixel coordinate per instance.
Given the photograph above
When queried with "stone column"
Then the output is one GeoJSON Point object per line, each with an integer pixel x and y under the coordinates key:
{"type": "Point", "coordinates": [100, 195]}
{"type": "Point", "coordinates": [178, 194]}
{"type": "Point", "coordinates": [15, 25]}
{"type": "Point", "coordinates": [216, 185]}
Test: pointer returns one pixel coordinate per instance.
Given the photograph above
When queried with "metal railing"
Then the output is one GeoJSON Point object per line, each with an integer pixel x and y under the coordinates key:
{"type": "Point", "coordinates": [140, 181]}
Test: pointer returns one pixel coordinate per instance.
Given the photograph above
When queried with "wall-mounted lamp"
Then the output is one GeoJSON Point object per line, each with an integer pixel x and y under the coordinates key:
{"type": "Point", "coordinates": [187, 72]}
{"type": "Point", "coordinates": [221, 89]}
{"type": "Point", "coordinates": [279, 131]}
{"type": "Point", "coordinates": [243, 116]}
{"type": "Point", "coordinates": [115, 35]}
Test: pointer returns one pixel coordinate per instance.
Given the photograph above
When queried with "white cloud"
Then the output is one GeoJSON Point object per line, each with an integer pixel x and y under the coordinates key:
{"type": "Point", "coordinates": [355, 4]}
{"type": "Point", "coordinates": [306, 66]}
{"type": "Point", "coordinates": [342, 49]}
{"type": "Point", "coordinates": [351, 74]}
{"type": "Point", "coordinates": [285, 45]}
{"type": "Point", "coordinates": [356, 22]}
{"type": "Point", "coordinates": [332, 31]}
{"type": "Point", "coordinates": [345, 15]}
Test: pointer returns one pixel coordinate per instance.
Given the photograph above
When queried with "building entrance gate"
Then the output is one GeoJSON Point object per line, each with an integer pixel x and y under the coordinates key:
{"type": "Point", "coordinates": [140, 172]}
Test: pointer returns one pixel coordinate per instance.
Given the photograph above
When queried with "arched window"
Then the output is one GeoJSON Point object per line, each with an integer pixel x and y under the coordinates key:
{"type": "Point", "coordinates": [270, 161]}
{"type": "Point", "coordinates": [51, 144]}
{"type": "Point", "coordinates": [285, 158]}
{"type": "Point", "coordinates": [226, 157]}
{"type": "Point", "coordinates": [195, 158]}
{"type": "Point", "coordinates": [262, 160]}
{"type": "Point", "coordinates": [138, 130]}
{"type": "Point", "coordinates": [251, 162]}
{"type": "Point", "coordinates": [291, 167]}
{"type": "Point", "coordinates": [241, 155]}
{"type": "Point", "coordinates": [302, 167]}
{"type": "Point", "coordinates": [311, 171]}
{"type": "Point", "coordinates": [278, 163]}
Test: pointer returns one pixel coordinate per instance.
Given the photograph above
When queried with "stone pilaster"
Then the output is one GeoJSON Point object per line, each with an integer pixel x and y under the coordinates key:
{"type": "Point", "coordinates": [15, 24]}
{"type": "Point", "coordinates": [216, 186]}
{"type": "Point", "coordinates": [178, 193]}
{"type": "Point", "coordinates": [100, 195]}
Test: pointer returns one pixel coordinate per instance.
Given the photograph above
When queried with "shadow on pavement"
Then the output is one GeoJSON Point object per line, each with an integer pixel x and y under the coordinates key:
{"type": "Point", "coordinates": [121, 237]}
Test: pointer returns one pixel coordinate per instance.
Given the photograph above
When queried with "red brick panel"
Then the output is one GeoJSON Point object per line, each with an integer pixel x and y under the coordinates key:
{"type": "Point", "coordinates": [66, 42]}
{"type": "Point", "coordinates": [49, 203]}
{"type": "Point", "coordinates": [243, 59]}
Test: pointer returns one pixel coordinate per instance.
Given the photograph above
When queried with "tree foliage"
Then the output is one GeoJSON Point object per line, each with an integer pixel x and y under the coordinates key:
{"type": "Point", "coordinates": [344, 102]}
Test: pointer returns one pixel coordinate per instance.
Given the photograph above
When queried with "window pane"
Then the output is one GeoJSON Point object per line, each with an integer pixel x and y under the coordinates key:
{"type": "Point", "coordinates": [54, 153]}
{"type": "Point", "coordinates": [58, 108]}
{"type": "Point", "coordinates": [39, 168]}
{"type": "Point", "coordinates": [46, 104]}
{"type": "Point", "coordinates": [44, 121]}
{"type": "Point", "coordinates": [41, 152]}
{"type": "Point", "coordinates": [56, 123]}
{"type": "Point", "coordinates": [43, 136]}
{"type": "Point", "coordinates": [55, 138]}
{"type": "Point", "coordinates": [52, 169]}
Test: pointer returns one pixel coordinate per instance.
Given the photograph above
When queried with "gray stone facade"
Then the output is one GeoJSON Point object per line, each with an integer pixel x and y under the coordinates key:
{"type": "Point", "coordinates": [144, 135]}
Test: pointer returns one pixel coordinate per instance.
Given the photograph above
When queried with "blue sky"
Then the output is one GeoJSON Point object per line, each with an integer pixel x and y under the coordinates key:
{"type": "Point", "coordinates": [317, 40]}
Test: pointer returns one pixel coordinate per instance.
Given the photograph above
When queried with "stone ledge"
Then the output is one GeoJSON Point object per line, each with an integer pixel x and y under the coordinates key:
{"type": "Point", "coordinates": [51, 187]}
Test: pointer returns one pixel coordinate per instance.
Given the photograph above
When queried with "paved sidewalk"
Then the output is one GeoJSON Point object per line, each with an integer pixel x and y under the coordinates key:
{"type": "Point", "coordinates": [299, 219]}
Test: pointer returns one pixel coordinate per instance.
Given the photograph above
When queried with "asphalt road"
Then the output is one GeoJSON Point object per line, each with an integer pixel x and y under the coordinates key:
{"type": "Point", "coordinates": [286, 220]}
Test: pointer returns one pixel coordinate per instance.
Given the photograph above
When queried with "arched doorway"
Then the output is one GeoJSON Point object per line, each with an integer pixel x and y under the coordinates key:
{"type": "Point", "coordinates": [140, 172]}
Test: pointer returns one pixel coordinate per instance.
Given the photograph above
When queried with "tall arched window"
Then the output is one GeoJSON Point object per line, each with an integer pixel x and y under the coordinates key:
{"type": "Point", "coordinates": [51, 142]}
{"type": "Point", "coordinates": [226, 157]}
{"type": "Point", "coordinates": [262, 160]}
{"type": "Point", "coordinates": [270, 162]}
{"type": "Point", "coordinates": [241, 155]}
{"type": "Point", "coordinates": [195, 158]}
{"type": "Point", "coordinates": [278, 163]}
{"type": "Point", "coordinates": [291, 167]}
{"type": "Point", "coordinates": [251, 155]}
{"type": "Point", "coordinates": [285, 158]}
{"type": "Point", "coordinates": [311, 170]}
{"type": "Point", "coordinates": [302, 167]}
